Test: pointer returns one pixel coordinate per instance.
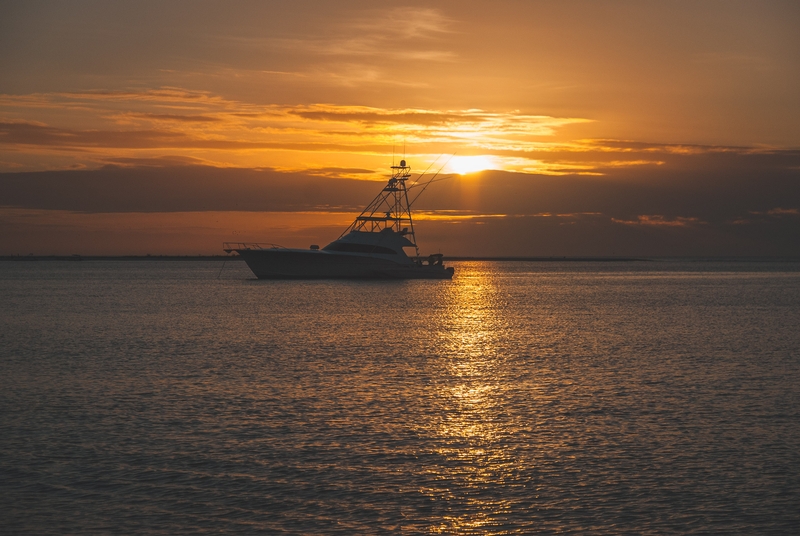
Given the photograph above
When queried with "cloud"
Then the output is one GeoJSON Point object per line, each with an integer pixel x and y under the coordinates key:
{"type": "Point", "coordinates": [176, 117]}
{"type": "Point", "coordinates": [338, 172]}
{"type": "Point", "coordinates": [367, 48]}
{"type": "Point", "coordinates": [96, 127]}
{"type": "Point", "coordinates": [440, 122]}
{"type": "Point", "coordinates": [627, 146]}
{"type": "Point", "coordinates": [659, 220]}
{"type": "Point", "coordinates": [755, 217]}
{"type": "Point", "coordinates": [716, 207]}
{"type": "Point", "coordinates": [403, 33]}
{"type": "Point", "coordinates": [406, 23]}
{"type": "Point", "coordinates": [784, 212]}
{"type": "Point", "coordinates": [156, 186]}
{"type": "Point", "coordinates": [167, 161]}
{"type": "Point", "coordinates": [59, 232]}
{"type": "Point", "coordinates": [160, 95]}
{"type": "Point", "coordinates": [34, 134]}
{"type": "Point", "coordinates": [97, 124]}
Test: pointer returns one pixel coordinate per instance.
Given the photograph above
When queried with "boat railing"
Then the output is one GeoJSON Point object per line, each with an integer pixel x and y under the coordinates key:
{"type": "Point", "coordinates": [229, 247]}
{"type": "Point", "coordinates": [430, 260]}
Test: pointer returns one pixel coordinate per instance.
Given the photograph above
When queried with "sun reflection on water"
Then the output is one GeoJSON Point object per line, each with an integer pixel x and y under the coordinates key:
{"type": "Point", "coordinates": [472, 424]}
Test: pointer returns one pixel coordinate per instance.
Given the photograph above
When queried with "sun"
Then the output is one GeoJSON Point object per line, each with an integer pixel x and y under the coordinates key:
{"type": "Point", "coordinates": [470, 164]}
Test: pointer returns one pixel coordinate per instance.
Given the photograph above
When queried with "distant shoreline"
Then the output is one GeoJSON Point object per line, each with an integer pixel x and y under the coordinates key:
{"type": "Point", "coordinates": [30, 258]}
{"type": "Point", "coordinates": [78, 258]}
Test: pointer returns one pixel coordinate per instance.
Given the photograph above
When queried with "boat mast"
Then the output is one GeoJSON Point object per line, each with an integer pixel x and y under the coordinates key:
{"type": "Point", "coordinates": [390, 209]}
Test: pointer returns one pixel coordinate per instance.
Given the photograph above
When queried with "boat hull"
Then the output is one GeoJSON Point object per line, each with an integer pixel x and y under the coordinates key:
{"type": "Point", "coordinates": [315, 264]}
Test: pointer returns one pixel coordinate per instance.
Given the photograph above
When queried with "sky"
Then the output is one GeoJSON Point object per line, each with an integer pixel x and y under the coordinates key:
{"type": "Point", "coordinates": [567, 128]}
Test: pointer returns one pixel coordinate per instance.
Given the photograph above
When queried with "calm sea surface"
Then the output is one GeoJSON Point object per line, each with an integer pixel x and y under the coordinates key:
{"type": "Point", "coordinates": [187, 397]}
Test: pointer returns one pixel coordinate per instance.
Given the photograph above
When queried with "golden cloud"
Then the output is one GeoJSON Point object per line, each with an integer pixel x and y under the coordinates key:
{"type": "Point", "coordinates": [658, 220]}
{"type": "Point", "coordinates": [93, 128]}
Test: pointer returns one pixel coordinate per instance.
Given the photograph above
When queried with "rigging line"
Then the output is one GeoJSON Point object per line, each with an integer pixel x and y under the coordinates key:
{"type": "Point", "coordinates": [443, 178]}
{"type": "Point", "coordinates": [423, 173]}
{"type": "Point", "coordinates": [430, 181]}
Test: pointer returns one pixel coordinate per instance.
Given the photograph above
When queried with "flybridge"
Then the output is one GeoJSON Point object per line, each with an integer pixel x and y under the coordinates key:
{"type": "Point", "coordinates": [390, 209]}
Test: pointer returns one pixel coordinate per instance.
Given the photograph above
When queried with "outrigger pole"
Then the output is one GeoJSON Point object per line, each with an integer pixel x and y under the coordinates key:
{"type": "Point", "coordinates": [425, 186]}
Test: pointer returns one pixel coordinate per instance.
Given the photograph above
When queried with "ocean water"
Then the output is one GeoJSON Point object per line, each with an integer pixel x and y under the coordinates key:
{"type": "Point", "coordinates": [168, 397]}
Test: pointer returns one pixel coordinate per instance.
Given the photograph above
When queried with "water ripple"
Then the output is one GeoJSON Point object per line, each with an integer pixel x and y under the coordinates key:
{"type": "Point", "coordinates": [520, 397]}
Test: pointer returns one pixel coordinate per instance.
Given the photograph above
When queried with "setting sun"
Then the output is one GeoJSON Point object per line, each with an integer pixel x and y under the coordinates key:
{"type": "Point", "coordinates": [470, 164]}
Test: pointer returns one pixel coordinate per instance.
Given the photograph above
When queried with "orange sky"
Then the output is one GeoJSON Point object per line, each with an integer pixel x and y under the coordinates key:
{"type": "Point", "coordinates": [561, 89]}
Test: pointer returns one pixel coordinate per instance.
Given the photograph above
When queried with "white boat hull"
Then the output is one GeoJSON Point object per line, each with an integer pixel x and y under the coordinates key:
{"type": "Point", "coordinates": [316, 264]}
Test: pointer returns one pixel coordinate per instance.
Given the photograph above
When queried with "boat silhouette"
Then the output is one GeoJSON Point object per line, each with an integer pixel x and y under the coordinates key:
{"type": "Point", "coordinates": [372, 247]}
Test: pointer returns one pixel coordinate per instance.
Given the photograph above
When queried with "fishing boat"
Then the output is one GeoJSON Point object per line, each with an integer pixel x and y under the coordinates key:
{"type": "Point", "coordinates": [372, 247]}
